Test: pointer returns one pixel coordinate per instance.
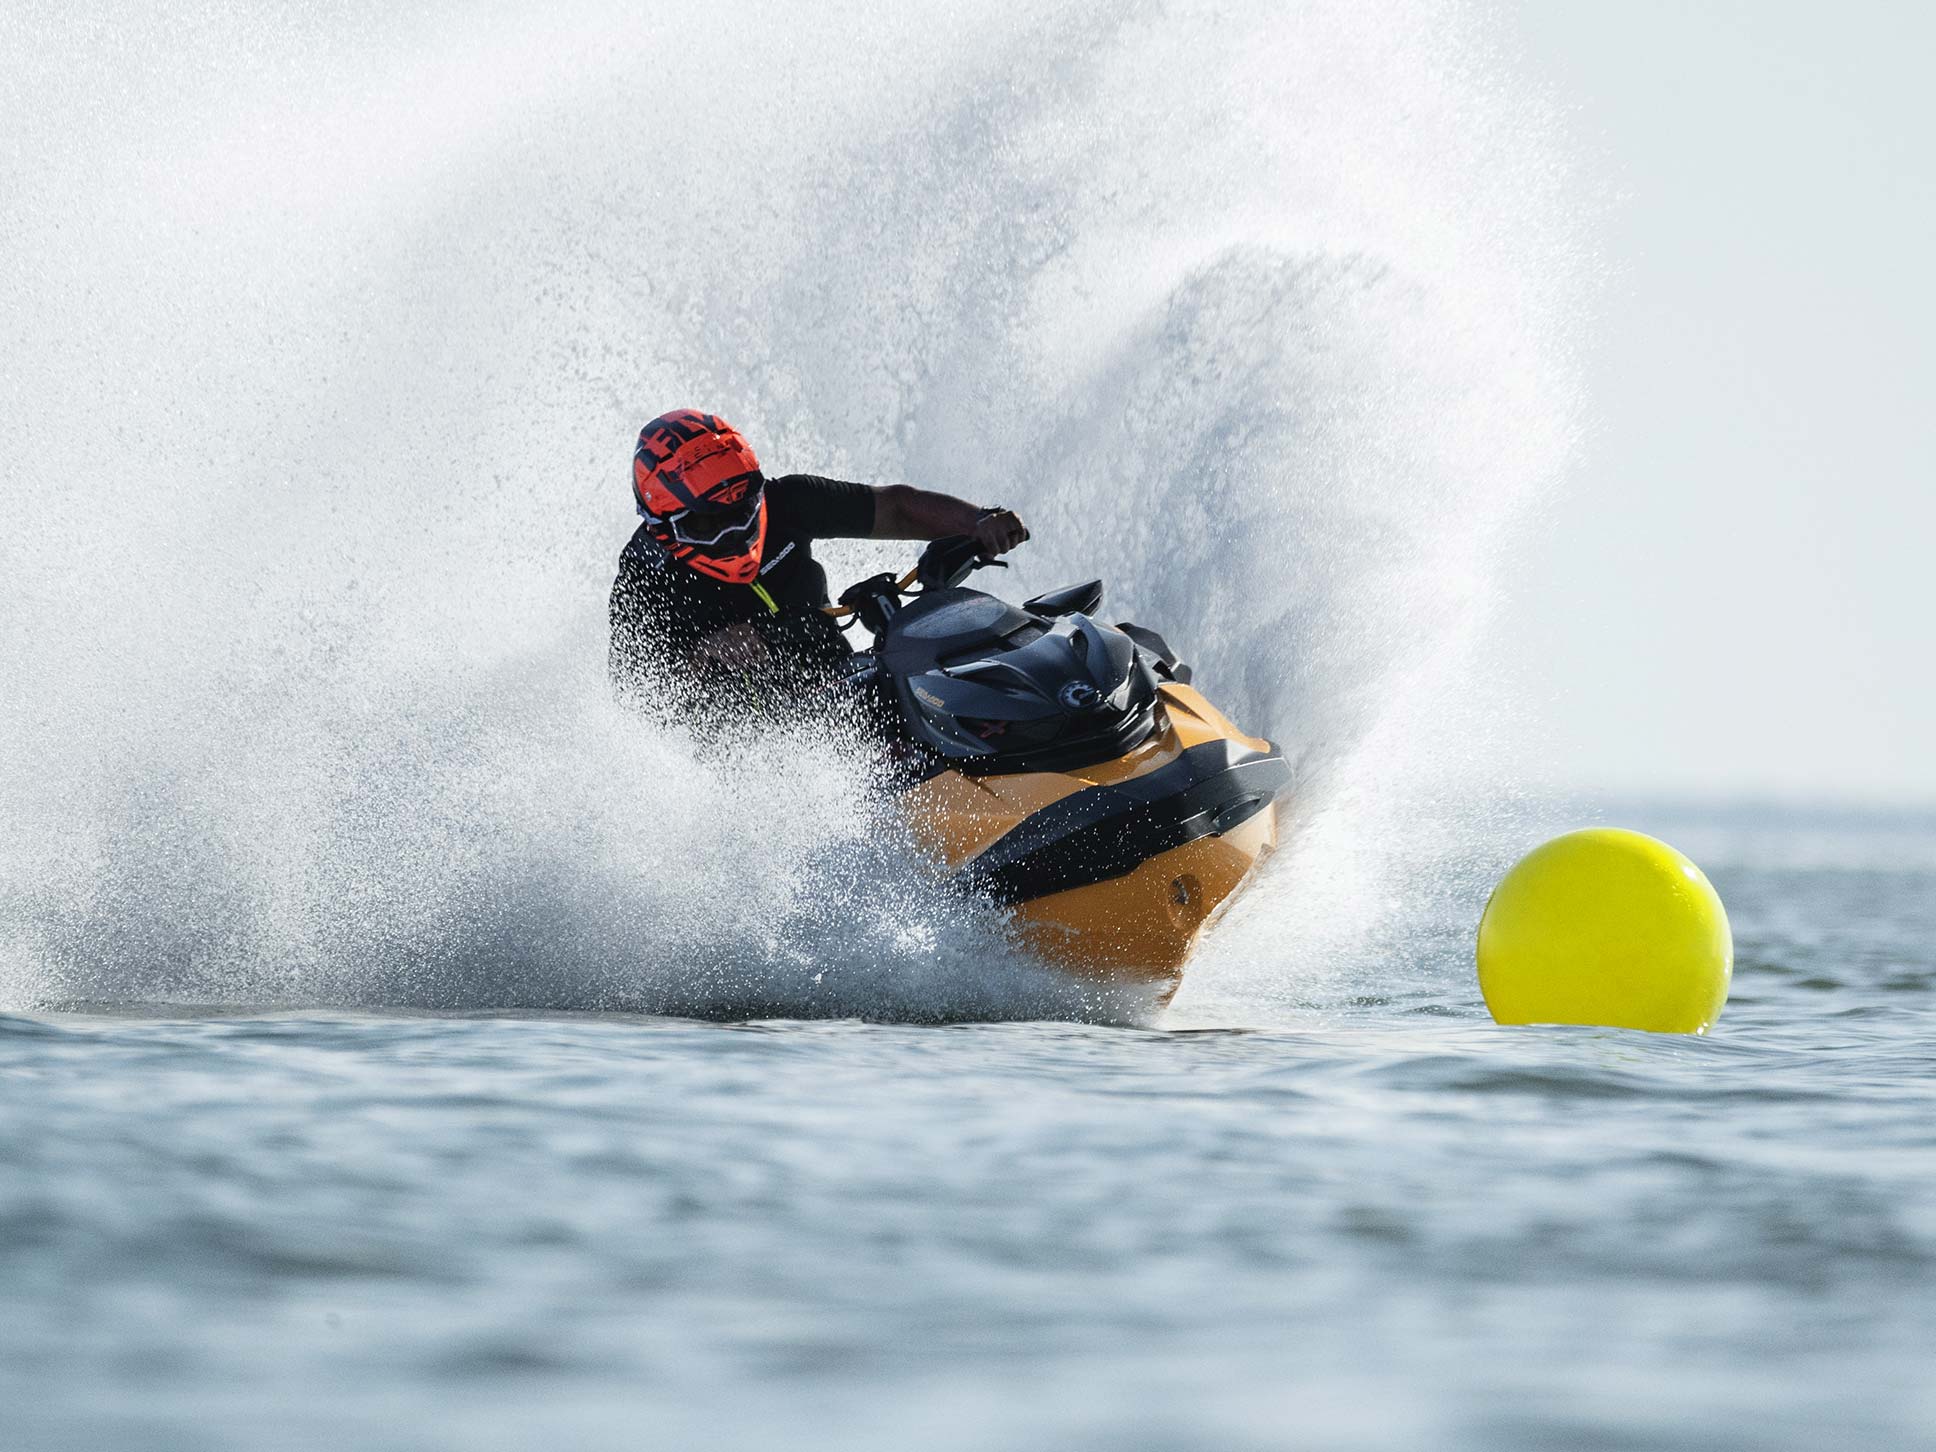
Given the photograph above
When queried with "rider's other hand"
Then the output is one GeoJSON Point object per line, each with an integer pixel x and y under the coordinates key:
{"type": "Point", "coordinates": [999, 531]}
{"type": "Point", "coordinates": [734, 647]}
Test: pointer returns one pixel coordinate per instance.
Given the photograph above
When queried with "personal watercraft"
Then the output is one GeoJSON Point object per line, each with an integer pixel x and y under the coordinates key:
{"type": "Point", "coordinates": [1063, 767]}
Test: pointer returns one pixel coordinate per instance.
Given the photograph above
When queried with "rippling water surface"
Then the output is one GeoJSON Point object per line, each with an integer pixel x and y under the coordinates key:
{"type": "Point", "coordinates": [1373, 1219]}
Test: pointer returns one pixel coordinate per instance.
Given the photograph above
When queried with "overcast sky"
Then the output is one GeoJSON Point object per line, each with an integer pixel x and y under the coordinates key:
{"type": "Point", "coordinates": [1737, 593]}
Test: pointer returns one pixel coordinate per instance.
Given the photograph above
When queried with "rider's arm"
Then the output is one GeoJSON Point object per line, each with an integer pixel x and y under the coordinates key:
{"type": "Point", "coordinates": [904, 512]}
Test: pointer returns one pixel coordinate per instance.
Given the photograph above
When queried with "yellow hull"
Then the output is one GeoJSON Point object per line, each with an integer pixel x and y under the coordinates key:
{"type": "Point", "coordinates": [1137, 927]}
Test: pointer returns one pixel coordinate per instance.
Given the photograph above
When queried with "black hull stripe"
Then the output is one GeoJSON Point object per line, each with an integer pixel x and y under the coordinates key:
{"type": "Point", "coordinates": [1103, 832]}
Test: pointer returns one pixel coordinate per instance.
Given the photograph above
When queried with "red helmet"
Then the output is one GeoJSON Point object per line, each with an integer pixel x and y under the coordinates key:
{"type": "Point", "coordinates": [701, 492]}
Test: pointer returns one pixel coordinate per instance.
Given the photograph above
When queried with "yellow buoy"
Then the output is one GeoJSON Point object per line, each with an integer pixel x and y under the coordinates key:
{"type": "Point", "coordinates": [1606, 927]}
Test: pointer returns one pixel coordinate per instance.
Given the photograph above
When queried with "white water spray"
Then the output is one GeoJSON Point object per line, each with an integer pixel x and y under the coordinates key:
{"type": "Point", "coordinates": [324, 350]}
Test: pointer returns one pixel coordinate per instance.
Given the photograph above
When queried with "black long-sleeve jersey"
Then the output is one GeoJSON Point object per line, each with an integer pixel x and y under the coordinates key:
{"type": "Point", "coordinates": [661, 609]}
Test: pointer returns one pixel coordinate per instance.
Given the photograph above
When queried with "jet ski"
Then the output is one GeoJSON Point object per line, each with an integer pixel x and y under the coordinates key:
{"type": "Point", "coordinates": [1062, 767]}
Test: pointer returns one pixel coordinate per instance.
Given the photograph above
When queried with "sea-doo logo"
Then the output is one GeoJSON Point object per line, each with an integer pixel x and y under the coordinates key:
{"type": "Point", "coordinates": [1079, 696]}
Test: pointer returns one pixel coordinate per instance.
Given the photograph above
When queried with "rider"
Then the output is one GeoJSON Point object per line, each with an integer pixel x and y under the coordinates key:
{"type": "Point", "coordinates": [718, 589]}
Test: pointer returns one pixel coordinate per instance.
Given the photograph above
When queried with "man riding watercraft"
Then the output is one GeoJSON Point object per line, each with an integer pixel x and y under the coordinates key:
{"type": "Point", "coordinates": [718, 596]}
{"type": "Point", "coordinates": [1045, 761]}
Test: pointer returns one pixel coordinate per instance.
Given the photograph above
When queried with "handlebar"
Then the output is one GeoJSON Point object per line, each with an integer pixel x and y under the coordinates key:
{"type": "Point", "coordinates": [946, 562]}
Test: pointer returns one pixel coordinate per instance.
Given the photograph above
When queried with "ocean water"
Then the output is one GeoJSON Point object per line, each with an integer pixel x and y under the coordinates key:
{"type": "Point", "coordinates": [1373, 1219]}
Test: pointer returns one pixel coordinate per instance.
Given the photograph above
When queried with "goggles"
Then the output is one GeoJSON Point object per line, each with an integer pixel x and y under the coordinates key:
{"type": "Point", "coordinates": [714, 529]}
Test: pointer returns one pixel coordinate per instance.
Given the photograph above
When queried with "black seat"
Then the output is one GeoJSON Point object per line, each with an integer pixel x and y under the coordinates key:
{"type": "Point", "coordinates": [940, 625]}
